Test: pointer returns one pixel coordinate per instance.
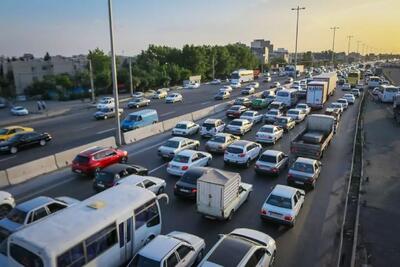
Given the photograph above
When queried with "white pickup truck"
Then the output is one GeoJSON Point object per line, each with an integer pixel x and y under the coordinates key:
{"type": "Point", "coordinates": [221, 193]}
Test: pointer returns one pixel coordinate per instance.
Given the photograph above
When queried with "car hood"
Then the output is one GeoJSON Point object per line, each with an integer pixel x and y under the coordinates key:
{"type": "Point", "coordinates": [10, 225]}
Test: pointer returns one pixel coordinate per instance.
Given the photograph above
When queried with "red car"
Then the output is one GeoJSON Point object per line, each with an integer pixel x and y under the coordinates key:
{"type": "Point", "coordinates": [235, 111]}
{"type": "Point", "coordinates": [94, 159]}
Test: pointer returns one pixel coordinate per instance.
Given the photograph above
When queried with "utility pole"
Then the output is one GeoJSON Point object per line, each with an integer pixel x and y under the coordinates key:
{"type": "Point", "coordinates": [213, 65]}
{"type": "Point", "coordinates": [114, 76]}
{"type": "Point", "coordinates": [91, 81]}
{"type": "Point", "coordinates": [333, 43]}
{"type": "Point", "coordinates": [297, 9]}
{"type": "Point", "coordinates": [130, 75]}
{"type": "Point", "coordinates": [348, 47]}
{"type": "Point", "coordinates": [358, 50]}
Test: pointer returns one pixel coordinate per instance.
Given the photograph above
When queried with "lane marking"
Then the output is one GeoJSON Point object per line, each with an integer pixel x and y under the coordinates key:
{"type": "Point", "coordinates": [168, 113]}
{"type": "Point", "coordinates": [159, 167]}
{"type": "Point", "coordinates": [106, 131]}
{"type": "Point", "coordinates": [8, 158]}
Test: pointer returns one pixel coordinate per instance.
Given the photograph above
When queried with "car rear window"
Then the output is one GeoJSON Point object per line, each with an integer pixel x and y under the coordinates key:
{"type": "Point", "coordinates": [268, 158]}
{"type": "Point", "coordinates": [208, 125]}
{"type": "Point", "coordinates": [278, 201]}
{"type": "Point", "coordinates": [105, 177]}
{"type": "Point", "coordinates": [236, 123]}
{"type": "Point", "coordinates": [248, 114]}
{"type": "Point", "coordinates": [281, 120]}
{"type": "Point", "coordinates": [218, 139]}
{"type": "Point", "coordinates": [181, 159]}
{"type": "Point", "coordinates": [180, 126]}
{"type": "Point", "coordinates": [173, 144]}
{"type": "Point", "coordinates": [3, 131]}
{"type": "Point", "coordinates": [234, 108]}
{"type": "Point", "coordinates": [283, 94]}
{"type": "Point", "coordinates": [266, 130]}
{"type": "Point", "coordinates": [303, 167]}
{"type": "Point", "coordinates": [294, 112]}
{"type": "Point", "coordinates": [81, 159]}
{"type": "Point", "coordinates": [235, 150]}
{"type": "Point", "coordinates": [16, 215]}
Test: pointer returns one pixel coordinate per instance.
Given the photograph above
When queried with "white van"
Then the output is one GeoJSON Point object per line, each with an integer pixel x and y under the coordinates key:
{"type": "Point", "coordinates": [288, 97]}
{"type": "Point", "coordinates": [386, 93]}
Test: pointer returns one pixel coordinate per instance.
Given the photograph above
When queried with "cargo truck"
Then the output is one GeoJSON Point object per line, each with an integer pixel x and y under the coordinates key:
{"type": "Point", "coordinates": [317, 94]}
{"type": "Point", "coordinates": [220, 193]}
{"type": "Point", "coordinates": [315, 138]}
{"type": "Point", "coordinates": [330, 78]}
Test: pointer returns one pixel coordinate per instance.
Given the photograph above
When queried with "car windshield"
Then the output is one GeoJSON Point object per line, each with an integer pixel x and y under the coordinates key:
{"type": "Point", "coordinates": [248, 114]}
{"type": "Point", "coordinates": [234, 108]}
{"type": "Point", "coordinates": [303, 167]}
{"type": "Point", "coordinates": [278, 201]}
{"type": "Point", "coordinates": [235, 150]}
{"type": "Point", "coordinates": [208, 125]}
{"type": "Point", "coordinates": [342, 100]}
{"type": "Point", "coordinates": [3, 131]}
{"type": "Point", "coordinates": [266, 130]}
{"type": "Point", "coordinates": [257, 101]}
{"type": "Point", "coordinates": [137, 100]}
{"type": "Point", "coordinates": [16, 215]}
{"type": "Point", "coordinates": [105, 177]}
{"type": "Point", "coordinates": [272, 112]}
{"type": "Point", "coordinates": [293, 112]}
{"type": "Point", "coordinates": [236, 123]}
{"type": "Point", "coordinates": [274, 105]}
{"type": "Point", "coordinates": [181, 126]}
{"type": "Point", "coordinates": [141, 261]}
{"type": "Point", "coordinates": [81, 159]}
{"type": "Point", "coordinates": [281, 120]}
{"type": "Point", "coordinates": [132, 118]}
{"type": "Point", "coordinates": [19, 108]}
{"type": "Point", "coordinates": [218, 139]}
{"type": "Point", "coordinates": [171, 143]}
{"type": "Point", "coordinates": [283, 94]}
{"type": "Point", "coordinates": [239, 101]}
{"type": "Point", "coordinates": [181, 159]}
{"type": "Point", "coordinates": [268, 158]}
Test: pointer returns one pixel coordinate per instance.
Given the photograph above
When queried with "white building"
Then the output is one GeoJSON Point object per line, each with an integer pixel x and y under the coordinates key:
{"type": "Point", "coordinates": [262, 49]}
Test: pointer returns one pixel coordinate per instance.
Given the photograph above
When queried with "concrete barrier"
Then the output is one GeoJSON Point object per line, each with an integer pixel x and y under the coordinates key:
{"type": "Point", "coordinates": [169, 124]}
{"type": "Point", "coordinates": [202, 113]}
{"type": "Point", "coordinates": [222, 106]}
{"type": "Point", "coordinates": [24, 172]}
{"type": "Point", "coordinates": [142, 133]}
{"type": "Point", "coordinates": [4, 179]}
{"type": "Point", "coordinates": [63, 159]}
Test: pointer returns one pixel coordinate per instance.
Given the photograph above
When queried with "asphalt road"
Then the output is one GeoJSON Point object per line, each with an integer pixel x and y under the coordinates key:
{"type": "Point", "coordinates": [312, 242]}
{"type": "Point", "coordinates": [81, 128]}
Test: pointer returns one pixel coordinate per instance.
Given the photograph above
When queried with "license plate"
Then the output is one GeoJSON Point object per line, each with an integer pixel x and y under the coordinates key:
{"type": "Point", "coordinates": [100, 185]}
{"type": "Point", "coordinates": [298, 182]}
{"type": "Point", "coordinates": [78, 171]}
{"type": "Point", "coordinates": [185, 190]}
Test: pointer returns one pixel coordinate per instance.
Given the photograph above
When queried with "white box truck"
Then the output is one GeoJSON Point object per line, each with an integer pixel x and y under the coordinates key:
{"type": "Point", "coordinates": [220, 193]}
{"type": "Point", "coordinates": [317, 94]}
{"type": "Point", "coordinates": [330, 78]}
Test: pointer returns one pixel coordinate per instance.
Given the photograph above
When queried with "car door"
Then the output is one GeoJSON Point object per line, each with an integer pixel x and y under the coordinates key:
{"type": "Point", "coordinates": [251, 150]}
{"type": "Point", "coordinates": [111, 157]}
{"type": "Point", "coordinates": [186, 254]}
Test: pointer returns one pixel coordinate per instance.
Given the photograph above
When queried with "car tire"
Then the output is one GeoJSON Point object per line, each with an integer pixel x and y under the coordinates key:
{"type": "Point", "coordinates": [208, 162]}
{"type": "Point", "coordinates": [230, 216]}
{"type": "Point", "coordinates": [199, 257]}
{"type": "Point", "coordinates": [42, 142]}
{"type": "Point", "coordinates": [124, 159]}
{"type": "Point", "coordinates": [247, 163]}
{"type": "Point", "coordinates": [13, 150]}
{"type": "Point", "coordinates": [160, 190]}
{"type": "Point", "coordinates": [4, 210]}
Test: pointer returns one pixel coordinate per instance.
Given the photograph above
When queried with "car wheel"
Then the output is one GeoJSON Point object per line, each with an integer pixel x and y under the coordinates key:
{"type": "Point", "coordinates": [248, 163]}
{"type": "Point", "coordinates": [124, 159]}
{"type": "Point", "coordinates": [160, 190]}
{"type": "Point", "coordinates": [199, 257]}
{"type": "Point", "coordinates": [4, 210]}
{"type": "Point", "coordinates": [230, 215]}
{"type": "Point", "coordinates": [13, 150]}
{"type": "Point", "coordinates": [42, 142]}
{"type": "Point", "coordinates": [196, 147]}
{"type": "Point", "coordinates": [208, 162]}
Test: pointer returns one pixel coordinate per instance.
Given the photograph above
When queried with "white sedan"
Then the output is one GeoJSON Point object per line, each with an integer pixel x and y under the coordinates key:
{"type": "Point", "coordinates": [269, 134]}
{"type": "Point", "coordinates": [298, 115]}
{"type": "Point", "coordinates": [306, 108]}
{"type": "Point", "coordinates": [239, 126]}
{"type": "Point", "coordinates": [19, 111]}
{"type": "Point", "coordinates": [186, 159]}
{"type": "Point", "coordinates": [252, 116]}
{"type": "Point", "coordinates": [226, 88]}
{"type": "Point", "coordinates": [350, 98]}
{"type": "Point", "coordinates": [154, 184]}
{"type": "Point", "coordinates": [186, 128]}
{"type": "Point", "coordinates": [7, 203]}
{"type": "Point", "coordinates": [174, 97]}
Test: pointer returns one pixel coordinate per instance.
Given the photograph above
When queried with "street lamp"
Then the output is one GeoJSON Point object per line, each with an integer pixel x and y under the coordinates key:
{"type": "Point", "coordinates": [114, 76]}
{"type": "Point", "coordinates": [348, 47]}
{"type": "Point", "coordinates": [297, 9]}
{"type": "Point", "coordinates": [333, 43]}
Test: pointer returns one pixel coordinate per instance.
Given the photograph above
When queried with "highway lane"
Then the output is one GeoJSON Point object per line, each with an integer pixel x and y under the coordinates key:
{"type": "Point", "coordinates": [81, 128]}
{"type": "Point", "coordinates": [312, 242]}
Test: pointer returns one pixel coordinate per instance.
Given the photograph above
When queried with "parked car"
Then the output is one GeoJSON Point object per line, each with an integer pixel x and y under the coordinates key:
{"type": "Point", "coordinates": [235, 111]}
{"type": "Point", "coordinates": [19, 111]}
{"type": "Point", "coordinates": [269, 134]}
{"type": "Point", "coordinates": [248, 90]}
{"type": "Point", "coordinates": [24, 140]}
{"type": "Point", "coordinates": [285, 122]}
{"type": "Point", "coordinates": [219, 142]}
{"type": "Point", "coordinates": [222, 95]}
{"type": "Point", "coordinates": [259, 103]}
{"type": "Point", "coordinates": [271, 162]}
{"type": "Point", "coordinates": [211, 127]}
{"type": "Point", "coordinates": [239, 126]}
{"type": "Point", "coordinates": [344, 102]}
{"type": "Point", "coordinates": [174, 249]}
{"type": "Point", "coordinates": [9, 131]}
{"type": "Point", "coordinates": [304, 172]}
{"type": "Point", "coordinates": [350, 98]}
{"type": "Point", "coordinates": [174, 97]}
{"type": "Point", "coordinates": [186, 186]}
{"type": "Point", "coordinates": [106, 113]}
{"type": "Point", "coordinates": [7, 203]}
{"type": "Point", "coordinates": [251, 247]}
{"type": "Point", "coordinates": [242, 152]}
{"type": "Point", "coordinates": [355, 92]}
{"type": "Point", "coordinates": [298, 115]}
{"type": "Point", "coordinates": [185, 128]}
{"type": "Point", "coordinates": [304, 107]}
{"type": "Point", "coordinates": [346, 87]}
{"type": "Point", "coordinates": [277, 105]}
{"type": "Point", "coordinates": [92, 160]}
{"type": "Point", "coordinates": [186, 159]}
{"type": "Point", "coordinates": [283, 205]}
{"type": "Point", "coordinates": [242, 101]}
{"type": "Point", "coordinates": [153, 184]}
{"type": "Point", "coordinates": [110, 175]}
{"type": "Point", "coordinates": [176, 144]}
{"type": "Point", "coordinates": [252, 116]}
{"type": "Point", "coordinates": [138, 102]}
{"type": "Point", "coordinates": [271, 115]}
{"type": "Point", "coordinates": [160, 94]}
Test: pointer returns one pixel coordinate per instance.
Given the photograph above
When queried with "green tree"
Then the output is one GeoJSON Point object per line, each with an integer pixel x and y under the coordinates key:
{"type": "Point", "coordinates": [101, 65]}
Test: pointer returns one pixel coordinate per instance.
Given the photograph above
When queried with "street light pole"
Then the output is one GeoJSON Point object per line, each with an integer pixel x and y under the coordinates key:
{"type": "Point", "coordinates": [114, 76]}
{"type": "Point", "coordinates": [297, 9]}
{"type": "Point", "coordinates": [91, 80]}
{"type": "Point", "coordinates": [333, 43]}
{"type": "Point", "coordinates": [358, 50]}
{"type": "Point", "coordinates": [348, 47]}
{"type": "Point", "coordinates": [130, 75]}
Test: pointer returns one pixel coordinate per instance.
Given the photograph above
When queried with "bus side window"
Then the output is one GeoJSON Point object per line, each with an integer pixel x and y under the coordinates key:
{"type": "Point", "coordinates": [147, 214]}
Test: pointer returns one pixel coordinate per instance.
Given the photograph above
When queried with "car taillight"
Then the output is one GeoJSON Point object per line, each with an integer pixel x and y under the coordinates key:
{"type": "Point", "coordinates": [264, 212]}
{"type": "Point", "coordinates": [125, 153]}
{"type": "Point", "coordinates": [288, 218]}
{"type": "Point", "coordinates": [184, 168]}
{"type": "Point", "coordinates": [242, 155]}
{"type": "Point", "coordinates": [194, 190]}
{"type": "Point", "coordinates": [274, 170]}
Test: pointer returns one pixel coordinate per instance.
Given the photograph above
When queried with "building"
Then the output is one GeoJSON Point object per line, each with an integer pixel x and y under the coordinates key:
{"type": "Point", "coordinates": [26, 70]}
{"type": "Point", "coordinates": [280, 53]}
{"type": "Point", "coordinates": [261, 49]}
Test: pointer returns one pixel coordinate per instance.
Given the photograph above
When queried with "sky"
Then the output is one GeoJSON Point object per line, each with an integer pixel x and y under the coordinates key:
{"type": "Point", "coordinates": [70, 27]}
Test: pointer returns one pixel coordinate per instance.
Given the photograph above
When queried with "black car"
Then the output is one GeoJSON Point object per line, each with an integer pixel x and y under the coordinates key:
{"type": "Point", "coordinates": [108, 177]}
{"type": "Point", "coordinates": [186, 186]}
{"type": "Point", "coordinates": [24, 140]}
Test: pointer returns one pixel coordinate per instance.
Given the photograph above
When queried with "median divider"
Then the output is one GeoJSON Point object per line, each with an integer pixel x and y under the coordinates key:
{"type": "Point", "coordinates": [26, 171]}
{"type": "Point", "coordinates": [202, 113]}
{"type": "Point", "coordinates": [222, 106]}
{"type": "Point", "coordinates": [64, 159]}
{"type": "Point", "coordinates": [142, 133]}
{"type": "Point", "coordinates": [4, 179]}
{"type": "Point", "coordinates": [169, 124]}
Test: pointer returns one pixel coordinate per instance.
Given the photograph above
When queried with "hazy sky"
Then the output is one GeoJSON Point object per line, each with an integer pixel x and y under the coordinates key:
{"type": "Point", "coordinates": [74, 26]}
